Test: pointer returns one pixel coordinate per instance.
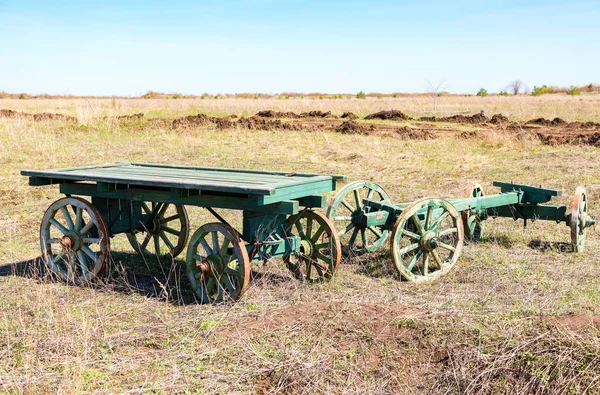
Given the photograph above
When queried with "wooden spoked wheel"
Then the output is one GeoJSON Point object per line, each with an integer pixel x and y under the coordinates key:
{"type": "Point", "coordinates": [164, 231]}
{"type": "Point", "coordinates": [579, 219]}
{"type": "Point", "coordinates": [345, 212]}
{"type": "Point", "coordinates": [74, 240]}
{"type": "Point", "coordinates": [217, 263]}
{"type": "Point", "coordinates": [427, 239]}
{"type": "Point", "coordinates": [473, 221]}
{"type": "Point", "coordinates": [320, 251]}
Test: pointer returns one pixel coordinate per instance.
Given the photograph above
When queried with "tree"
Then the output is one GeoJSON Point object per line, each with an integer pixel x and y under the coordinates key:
{"type": "Point", "coordinates": [573, 91]}
{"type": "Point", "coordinates": [515, 87]}
{"type": "Point", "coordinates": [361, 95]}
{"type": "Point", "coordinates": [482, 92]}
{"type": "Point", "coordinates": [435, 92]}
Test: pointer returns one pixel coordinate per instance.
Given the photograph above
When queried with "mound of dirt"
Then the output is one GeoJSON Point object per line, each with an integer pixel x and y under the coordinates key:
{"type": "Point", "coordinates": [408, 133]}
{"type": "Point", "coordinates": [191, 120]}
{"type": "Point", "coordinates": [349, 115]}
{"type": "Point", "coordinates": [576, 139]}
{"type": "Point", "coordinates": [317, 114]}
{"type": "Point", "coordinates": [478, 118]}
{"type": "Point", "coordinates": [499, 119]}
{"type": "Point", "coordinates": [351, 127]}
{"type": "Point", "coordinates": [546, 122]}
{"type": "Point", "coordinates": [257, 123]}
{"type": "Point", "coordinates": [277, 114]}
{"type": "Point", "coordinates": [467, 135]}
{"type": "Point", "coordinates": [575, 321]}
{"type": "Point", "coordinates": [36, 117]}
{"type": "Point", "coordinates": [137, 116]}
{"type": "Point", "coordinates": [390, 115]}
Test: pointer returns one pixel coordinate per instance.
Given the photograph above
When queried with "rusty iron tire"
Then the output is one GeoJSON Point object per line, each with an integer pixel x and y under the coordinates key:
{"type": "Point", "coordinates": [416, 243]}
{"type": "Point", "coordinates": [320, 252]}
{"type": "Point", "coordinates": [82, 252]}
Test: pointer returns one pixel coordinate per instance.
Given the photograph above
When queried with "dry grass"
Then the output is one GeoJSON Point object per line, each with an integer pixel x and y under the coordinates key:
{"type": "Point", "coordinates": [479, 329]}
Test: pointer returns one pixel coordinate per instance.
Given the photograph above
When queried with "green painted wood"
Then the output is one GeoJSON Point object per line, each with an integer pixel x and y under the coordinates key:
{"type": "Point", "coordinates": [161, 196]}
{"type": "Point", "coordinates": [262, 226]}
{"type": "Point", "coordinates": [313, 201]}
{"type": "Point", "coordinates": [531, 212]}
{"type": "Point", "coordinates": [279, 185]}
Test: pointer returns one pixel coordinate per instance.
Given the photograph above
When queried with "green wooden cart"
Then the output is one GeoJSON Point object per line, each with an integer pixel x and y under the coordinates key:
{"type": "Point", "coordinates": [427, 235]}
{"type": "Point", "coordinates": [147, 203]}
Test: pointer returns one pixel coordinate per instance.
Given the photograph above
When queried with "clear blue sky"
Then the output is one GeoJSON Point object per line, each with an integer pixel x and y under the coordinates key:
{"type": "Point", "coordinates": [130, 47]}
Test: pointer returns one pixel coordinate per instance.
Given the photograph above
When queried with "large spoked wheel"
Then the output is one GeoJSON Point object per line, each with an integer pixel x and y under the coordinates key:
{"type": "Point", "coordinates": [164, 231]}
{"type": "Point", "coordinates": [217, 263]}
{"type": "Point", "coordinates": [427, 239]}
{"type": "Point", "coordinates": [74, 239]}
{"type": "Point", "coordinates": [579, 219]}
{"type": "Point", "coordinates": [345, 212]}
{"type": "Point", "coordinates": [320, 251]}
{"type": "Point", "coordinates": [473, 221]}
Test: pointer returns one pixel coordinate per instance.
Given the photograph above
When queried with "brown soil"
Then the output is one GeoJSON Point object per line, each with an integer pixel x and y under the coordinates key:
{"type": "Point", "coordinates": [351, 127]}
{"type": "Point", "coordinates": [132, 117]}
{"type": "Point", "coordinates": [36, 117]}
{"type": "Point", "coordinates": [289, 114]}
{"type": "Point", "coordinates": [575, 321]}
{"type": "Point", "coordinates": [349, 115]}
{"type": "Point", "coordinates": [389, 115]}
{"type": "Point", "coordinates": [408, 133]}
{"type": "Point", "coordinates": [499, 119]}
{"type": "Point", "coordinates": [465, 119]}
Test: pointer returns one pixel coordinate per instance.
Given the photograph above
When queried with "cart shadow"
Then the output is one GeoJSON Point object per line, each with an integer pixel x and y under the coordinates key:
{"type": "Point", "coordinates": [544, 246]}
{"type": "Point", "coordinates": [127, 274]}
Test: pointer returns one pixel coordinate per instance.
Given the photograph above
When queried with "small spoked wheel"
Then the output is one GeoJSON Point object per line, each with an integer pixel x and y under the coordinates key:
{"type": "Point", "coordinates": [473, 220]}
{"type": "Point", "coordinates": [74, 239]}
{"type": "Point", "coordinates": [426, 239]}
{"type": "Point", "coordinates": [217, 263]}
{"type": "Point", "coordinates": [346, 212]}
{"type": "Point", "coordinates": [320, 250]}
{"type": "Point", "coordinates": [579, 221]}
{"type": "Point", "coordinates": [163, 231]}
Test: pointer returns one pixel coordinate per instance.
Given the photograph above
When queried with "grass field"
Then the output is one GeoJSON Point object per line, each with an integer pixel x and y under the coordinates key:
{"type": "Point", "coordinates": [518, 313]}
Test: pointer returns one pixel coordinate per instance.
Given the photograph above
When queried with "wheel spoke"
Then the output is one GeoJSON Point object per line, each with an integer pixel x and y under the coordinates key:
{"type": "Point", "coordinates": [348, 206]}
{"type": "Point", "coordinates": [171, 231]}
{"type": "Point", "coordinates": [323, 257]}
{"type": "Point", "coordinates": [169, 219]}
{"type": "Point", "coordinates": [357, 198]}
{"type": "Point", "coordinates": [224, 247]}
{"type": "Point", "coordinates": [346, 229]}
{"type": "Point", "coordinates": [317, 234]}
{"type": "Point", "coordinates": [82, 262]}
{"type": "Point", "coordinates": [88, 251]}
{"type": "Point", "coordinates": [90, 240]}
{"type": "Point", "coordinates": [163, 236]}
{"type": "Point", "coordinates": [425, 263]}
{"type": "Point", "coordinates": [437, 258]}
{"type": "Point", "coordinates": [448, 231]}
{"type": "Point", "coordinates": [215, 242]}
{"type": "Point", "coordinates": [342, 218]}
{"type": "Point", "coordinates": [67, 217]}
{"type": "Point", "coordinates": [300, 230]}
{"type": "Point", "coordinates": [309, 225]}
{"type": "Point", "coordinates": [197, 257]}
{"type": "Point", "coordinates": [320, 246]}
{"type": "Point", "coordinates": [370, 193]}
{"type": "Point", "coordinates": [206, 247]}
{"type": "Point", "coordinates": [428, 217]}
{"type": "Point", "coordinates": [156, 239]}
{"type": "Point", "coordinates": [86, 228]}
{"type": "Point", "coordinates": [414, 260]}
{"type": "Point", "coordinates": [353, 237]}
{"type": "Point", "coordinates": [363, 236]}
{"type": "Point", "coordinates": [78, 219]}
{"type": "Point", "coordinates": [408, 248]}
{"type": "Point", "coordinates": [53, 241]}
{"type": "Point", "coordinates": [59, 226]}
{"type": "Point", "coordinates": [418, 224]}
{"type": "Point", "coordinates": [146, 208]}
{"type": "Point", "coordinates": [146, 241]}
{"type": "Point", "coordinates": [446, 246]}
{"type": "Point", "coordinates": [375, 231]}
{"type": "Point", "coordinates": [410, 234]}
{"type": "Point", "coordinates": [439, 220]}
{"type": "Point", "coordinates": [58, 256]}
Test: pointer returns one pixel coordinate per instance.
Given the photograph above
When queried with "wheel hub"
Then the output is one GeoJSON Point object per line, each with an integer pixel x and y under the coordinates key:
{"type": "Point", "coordinates": [212, 264]}
{"type": "Point", "coordinates": [429, 241]}
{"type": "Point", "coordinates": [71, 242]}
{"type": "Point", "coordinates": [306, 247]}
